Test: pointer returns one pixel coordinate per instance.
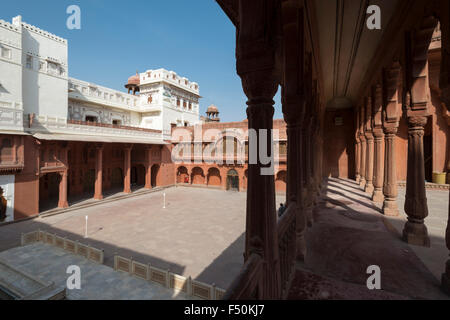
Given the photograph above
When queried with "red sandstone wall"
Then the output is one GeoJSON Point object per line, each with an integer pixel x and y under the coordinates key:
{"type": "Point", "coordinates": [26, 188]}
{"type": "Point", "coordinates": [339, 145]}
{"type": "Point", "coordinates": [166, 175]}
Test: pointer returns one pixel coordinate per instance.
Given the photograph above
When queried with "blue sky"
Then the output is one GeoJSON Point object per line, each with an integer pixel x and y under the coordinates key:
{"type": "Point", "coordinates": [193, 38]}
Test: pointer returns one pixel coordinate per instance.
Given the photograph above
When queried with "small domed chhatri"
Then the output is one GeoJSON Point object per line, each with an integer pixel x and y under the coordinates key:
{"type": "Point", "coordinates": [133, 83]}
{"type": "Point", "coordinates": [213, 114]}
{"type": "Point", "coordinates": [212, 109]}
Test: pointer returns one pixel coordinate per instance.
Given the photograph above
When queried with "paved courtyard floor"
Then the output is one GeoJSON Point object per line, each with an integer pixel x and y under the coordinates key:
{"type": "Point", "coordinates": [200, 233]}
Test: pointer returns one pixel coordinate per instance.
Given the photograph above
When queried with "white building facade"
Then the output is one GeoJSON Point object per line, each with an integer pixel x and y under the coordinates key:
{"type": "Point", "coordinates": [38, 97]}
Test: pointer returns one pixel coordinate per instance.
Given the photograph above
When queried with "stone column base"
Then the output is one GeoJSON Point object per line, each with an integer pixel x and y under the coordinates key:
{"type": "Point", "coordinates": [358, 178]}
{"type": "Point", "coordinates": [378, 195]}
{"type": "Point", "coordinates": [445, 280]}
{"type": "Point", "coordinates": [362, 183]}
{"type": "Point", "coordinates": [63, 204]}
{"type": "Point", "coordinates": [98, 197]}
{"type": "Point", "coordinates": [416, 234]}
{"type": "Point", "coordinates": [390, 208]}
{"type": "Point", "coordinates": [369, 188]}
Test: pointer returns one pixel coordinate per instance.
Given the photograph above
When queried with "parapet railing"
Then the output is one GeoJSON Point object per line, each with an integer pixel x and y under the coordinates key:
{"type": "Point", "coordinates": [248, 284]}
{"type": "Point", "coordinates": [168, 279]}
{"type": "Point", "coordinates": [286, 231]}
{"type": "Point", "coordinates": [113, 126]}
{"type": "Point", "coordinates": [75, 247]}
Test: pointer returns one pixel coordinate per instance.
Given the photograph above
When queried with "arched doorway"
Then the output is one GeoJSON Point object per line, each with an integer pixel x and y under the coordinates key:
{"type": "Point", "coordinates": [280, 181]}
{"type": "Point", "coordinates": [155, 172]}
{"type": "Point", "coordinates": [197, 176]}
{"type": "Point", "coordinates": [232, 180]}
{"type": "Point", "coordinates": [137, 175]}
{"type": "Point", "coordinates": [89, 182]}
{"type": "Point", "coordinates": [214, 178]}
{"type": "Point", "coordinates": [182, 175]}
{"type": "Point", "coordinates": [117, 178]}
{"type": "Point", "coordinates": [49, 191]}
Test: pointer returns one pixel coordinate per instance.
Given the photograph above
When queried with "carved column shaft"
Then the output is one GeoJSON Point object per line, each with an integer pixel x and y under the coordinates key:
{"type": "Point", "coordinates": [416, 104]}
{"type": "Point", "coordinates": [378, 175]}
{"type": "Point", "coordinates": [306, 152]}
{"type": "Point", "coordinates": [390, 206]}
{"type": "Point", "coordinates": [363, 154]}
{"type": "Point", "coordinates": [294, 159]}
{"type": "Point", "coordinates": [391, 116]}
{"type": "Point", "coordinates": [415, 231]}
{"type": "Point", "coordinates": [127, 170]}
{"type": "Point", "coordinates": [357, 148]}
{"type": "Point", "coordinates": [444, 84]}
{"type": "Point", "coordinates": [63, 203]}
{"type": "Point", "coordinates": [148, 168]}
{"type": "Point", "coordinates": [369, 147]}
{"type": "Point", "coordinates": [98, 194]}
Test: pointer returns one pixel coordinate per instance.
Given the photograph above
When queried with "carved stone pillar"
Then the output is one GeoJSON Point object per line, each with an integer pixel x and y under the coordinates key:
{"type": "Point", "coordinates": [390, 206]}
{"type": "Point", "coordinates": [306, 199]}
{"type": "Point", "coordinates": [357, 157]}
{"type": "Point", "coordinates": [363, 154]}
{"type": "Point", "coordinates": [127, 170]}
{"type": "Point", "coordinates": [357, 148]}
{"type": "Point", "coordinates": [391, 116]}
{"type": "Point", "coordinates": [294, 179]}
{"type": "Point", "coordinates": [63, 203]}
{"type": "Point", "coordinates": [98, 194]}
{"type": "Point", "coordinates": [148, 168]}
{"type": "Point", "coordinates": [369, 146]}
{"type": "Point", "coordinates": [256, 65]}
{"type": "Point", "coordinates": [416, 105]}
{"type": "Point", "coordinates": [444, 84]}
{"type": "Point", "coordinates": [415, 231]}
{"type": "Point", "coordinates": [293, 109]}
{"type": "Point", "coordinates": [378, 175]}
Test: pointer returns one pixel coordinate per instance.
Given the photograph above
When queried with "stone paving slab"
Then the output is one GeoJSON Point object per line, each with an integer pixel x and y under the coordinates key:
{"type": "Point", "coordinates": [98, 282]}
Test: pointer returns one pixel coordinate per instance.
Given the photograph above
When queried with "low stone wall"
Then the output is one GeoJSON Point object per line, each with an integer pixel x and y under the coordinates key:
{"type": "Point", "coordinates": [428, 186]}
{"type": "Point", "coordinates": [168, 279]}
{"type": "Point", "coordinates": [75, 247]}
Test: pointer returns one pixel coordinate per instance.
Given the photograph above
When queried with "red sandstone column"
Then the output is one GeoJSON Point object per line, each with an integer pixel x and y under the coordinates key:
{"type": "Point", "coordinates": [306, 144]}
{"type": "Point", "coordinates": [357, 157]}
{"type": "Point", "coordinates": [415, 231]}
{"type": "Point", "coordinates": [378, 175]}
{"type": "Point", "coordinates": [148, 168]}
{"type": "Point", "coordinates": [294, 173]}
{"type": "Point", "coordinates": [369, 146]}
{"type": "Point", "coordinates": [293, 110]}
{"type": "Point", "coordinates": [416, 104]}
{"type": "Point", "coordinates": [391, 116]}
{"type": "Point", "coordinates": [390, 206]}
{"type": "Point", "coordinates": [256, 65]}
{"type": "Point", "coordinates": [362, 138]}
{"type": "Point", "coordinates": [444, 84]}
{"type": "Point", "coordinates": [98, 195]}
{"type": "Point", "coordinates": [127, 170]}
{"type": "Point", "coordinates": [62, 203]}
{"type": "Point", "coordinates": [357, 148]}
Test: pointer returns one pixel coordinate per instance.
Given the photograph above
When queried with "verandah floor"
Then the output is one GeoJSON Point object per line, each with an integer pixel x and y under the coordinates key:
{"type": "Point", "coordinates": [350, 234]}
